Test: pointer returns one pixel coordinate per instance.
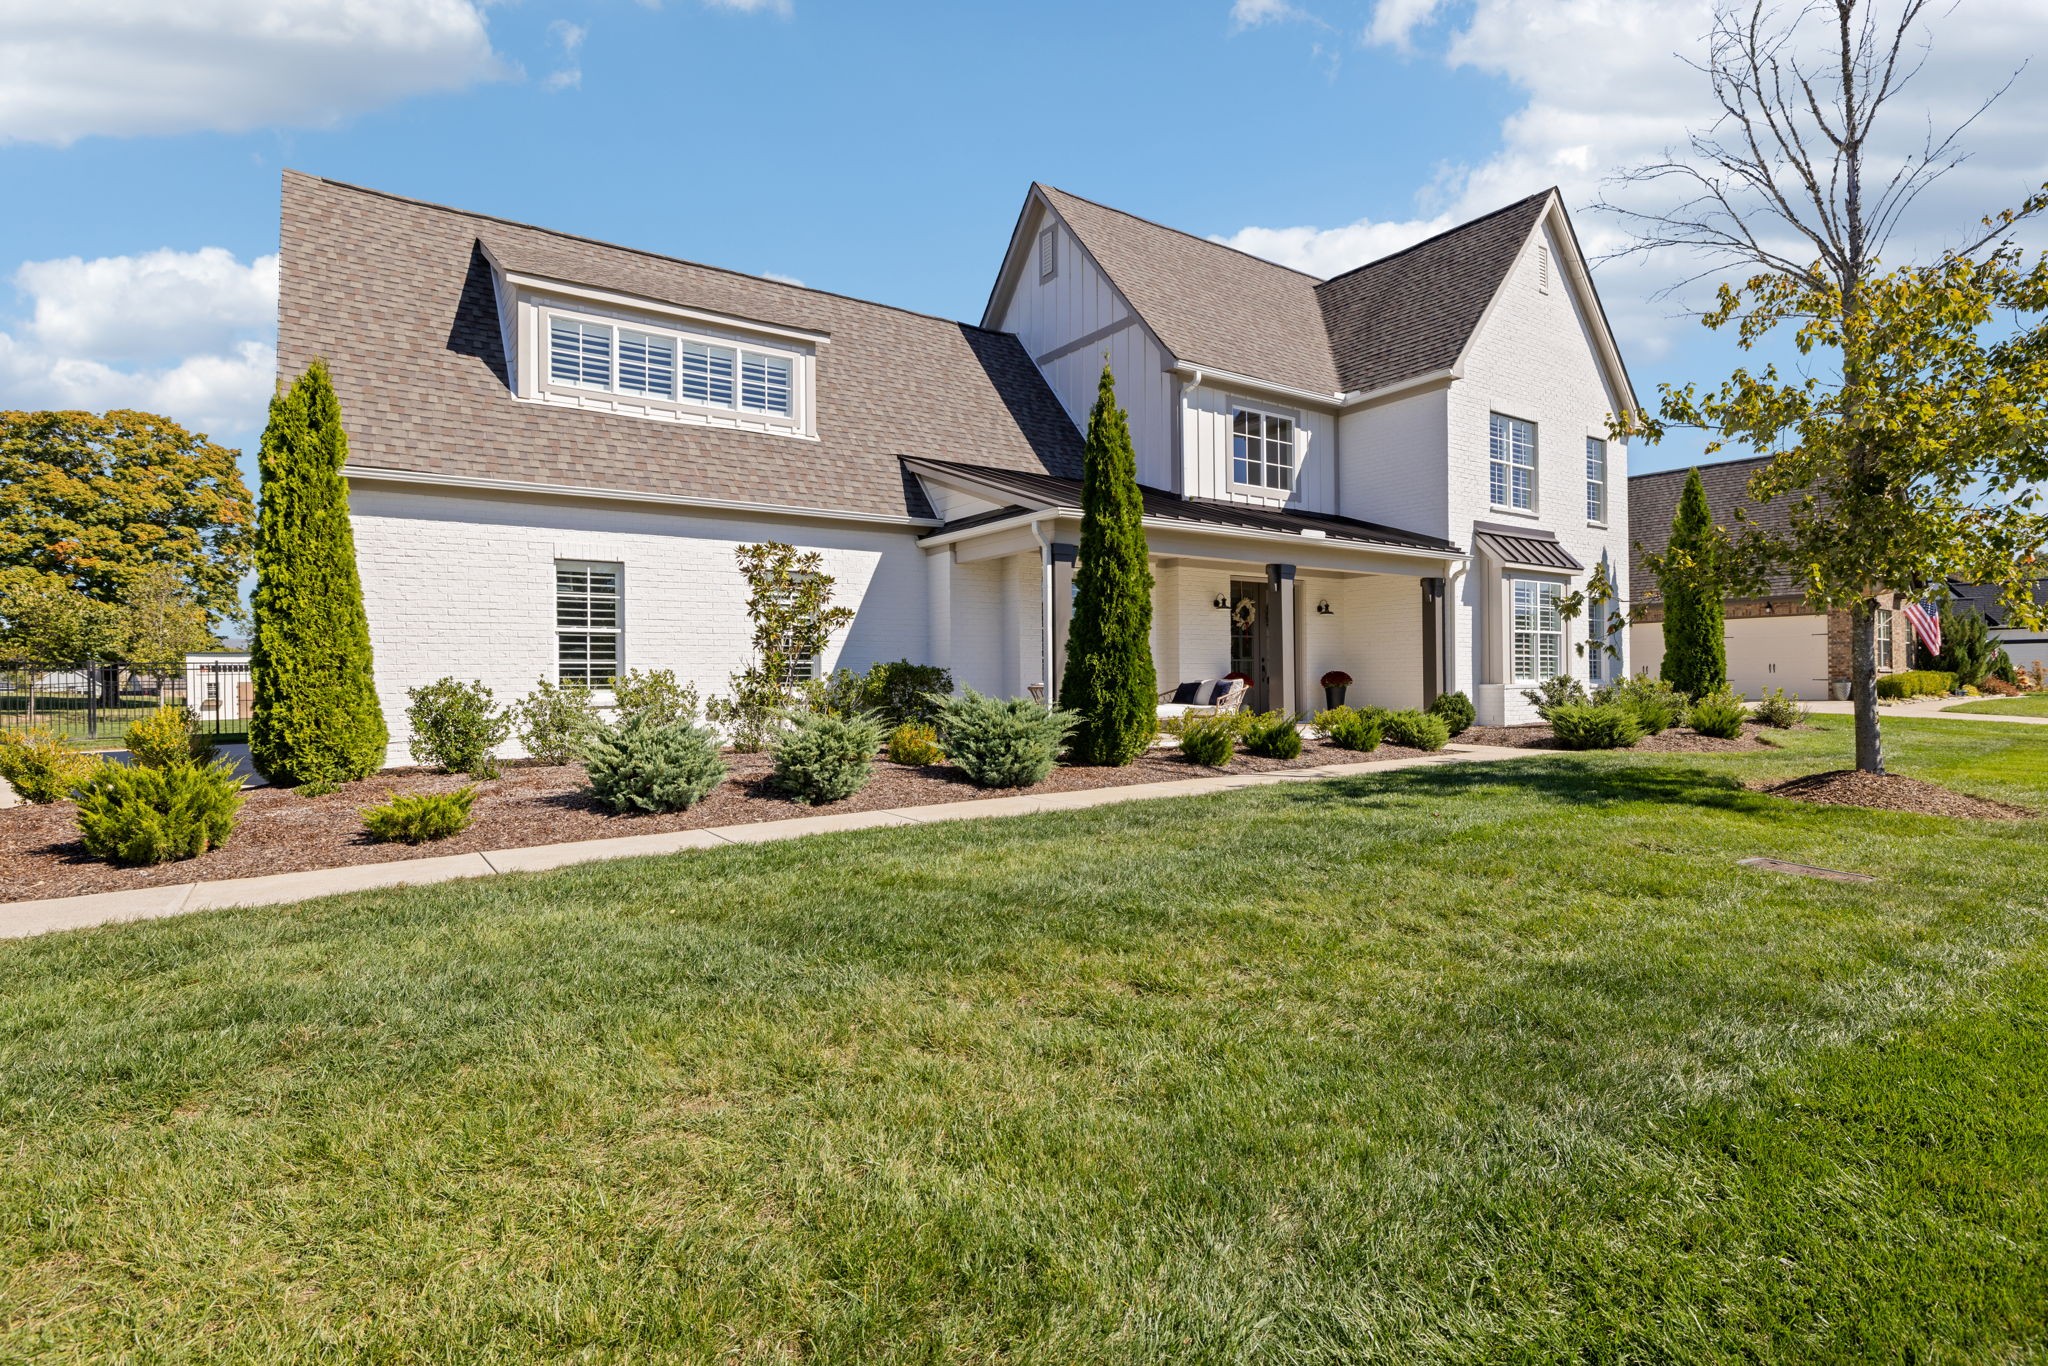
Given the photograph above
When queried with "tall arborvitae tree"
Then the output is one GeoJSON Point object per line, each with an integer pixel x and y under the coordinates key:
{"type": "Point", "coordinates": [1109, 678]}
{"type": "Point", "coordinates": [316, 718]}
{"type": "Point", "coordinates": [1689, 580]}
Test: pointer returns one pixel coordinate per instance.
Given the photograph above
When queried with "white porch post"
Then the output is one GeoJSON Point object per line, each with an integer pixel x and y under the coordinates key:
{"type": "Point", "coordinates": [1282, 693]}
{"type": "Point", "coordinates": [938, 568]}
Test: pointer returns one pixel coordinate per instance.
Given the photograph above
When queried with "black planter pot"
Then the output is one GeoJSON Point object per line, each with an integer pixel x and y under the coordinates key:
{"type": "Point", "coordinates": [1333, 698]}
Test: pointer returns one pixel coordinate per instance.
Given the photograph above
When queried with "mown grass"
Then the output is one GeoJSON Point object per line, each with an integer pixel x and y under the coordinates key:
{"type": "Point", "coordinates": [1458, 1064]}
{"type": "Point", "coordinates": [2033, 704]}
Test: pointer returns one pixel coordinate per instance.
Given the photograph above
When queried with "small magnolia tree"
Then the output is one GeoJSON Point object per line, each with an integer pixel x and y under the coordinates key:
{"type": "Point", "coordinates": [1691, 580]}
{"type": "Point", "coordinates": [316, 718]}
{"type": "Point", "coordinates": [1109, 681]}
{"type": "Point", "coordinates": [789, 601]}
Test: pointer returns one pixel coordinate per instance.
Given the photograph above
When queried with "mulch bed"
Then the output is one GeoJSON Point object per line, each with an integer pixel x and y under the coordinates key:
{"type": "Point", "coordinates": [1677, 740]}
{"type": "Point", "coordinates": [532, 804]}
{"type": "Point", "coordinates": [1888, 792]}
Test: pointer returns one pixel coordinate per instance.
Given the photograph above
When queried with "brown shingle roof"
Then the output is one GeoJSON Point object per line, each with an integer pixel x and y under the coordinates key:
{"type": "Point", "coordinates": [396, 296]}
{"type": "Point", "coordinates": [1412, 313]}
{"type": "Point", "coordinates": [1653, 498]}
{"type": "Point", "coordinates": [1209, 304]}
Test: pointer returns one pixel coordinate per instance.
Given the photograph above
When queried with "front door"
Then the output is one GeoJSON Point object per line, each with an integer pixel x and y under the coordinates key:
{"type": "Point", "coordinates": [1252, 623]}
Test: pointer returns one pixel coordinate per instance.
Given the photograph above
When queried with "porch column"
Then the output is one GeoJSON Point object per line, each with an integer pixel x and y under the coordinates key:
{"type": "Point", "coordinates": [938, 569]}
{"type": "Point", "coordinates": [1432, 640]}
{"type": "Point", "coordinates": [1281, 692]}
{"type": "Point", "coordinates": [1064, 558]}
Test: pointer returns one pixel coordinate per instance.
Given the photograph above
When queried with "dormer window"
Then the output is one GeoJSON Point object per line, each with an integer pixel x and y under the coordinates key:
{"type": "Point", "coordinates": [1262, 449]}
{"type": "Point", "coordinates": [669, 372]}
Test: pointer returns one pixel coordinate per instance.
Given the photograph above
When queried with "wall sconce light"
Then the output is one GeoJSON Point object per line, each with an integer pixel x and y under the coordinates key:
{"type": "Point", "coordinates": [1222, 602]}
{"type": "Point", "coordinates": [1770, 608]}
{"type": "Point", "coordinates": [1323, 608]}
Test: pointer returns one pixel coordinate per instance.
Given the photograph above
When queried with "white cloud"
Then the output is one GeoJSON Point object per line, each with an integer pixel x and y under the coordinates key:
{"type": "Point", "coordinates": [1606, 88]}
{"type": "Point", "coordinates": [568, 76]}
{"type": "Point", "coordinates": [124, 67]}
{"type": "Point", "coordinates": [1252, 13]}
{"type": "Point", "coordinates": [782, 279]}
{"type": "Point", "coordinates": [781, 7]}
{"type": "Point", "coordinates": [185, 334]}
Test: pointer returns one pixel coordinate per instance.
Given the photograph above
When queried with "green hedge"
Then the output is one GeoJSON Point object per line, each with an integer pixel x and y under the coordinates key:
{"type": "Point", "coordinates": [1916, 683]}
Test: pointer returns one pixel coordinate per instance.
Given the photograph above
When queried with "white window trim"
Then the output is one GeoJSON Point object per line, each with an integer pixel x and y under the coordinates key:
{"type": "Point", "coordinates": [1606, 481]}
{"type": "Point", "coordinates": [617, 631]}
{"type": "Point", "coordinates": [1270, 491]}
{"type": "Point", "coordinates": [801, 371]}
{"type": "Point", "coordinates": [1554, 590]}
{"type": "Point", "coordinates": [1535, 508]}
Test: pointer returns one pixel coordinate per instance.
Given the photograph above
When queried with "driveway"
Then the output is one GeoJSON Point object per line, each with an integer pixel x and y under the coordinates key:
{"type": "Point", "coordinates": [1918, 707]}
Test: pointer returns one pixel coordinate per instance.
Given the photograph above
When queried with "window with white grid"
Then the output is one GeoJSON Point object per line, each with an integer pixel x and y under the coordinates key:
{"type": "Point", "coordinates": [647, 364]}
{"type": "Point", "coordinates": [708, 374]}
{"type": "Point", "coordinates": [1596, 479]}
{"type": "Point", "coordinates": [1511, 463]}
{"type": "Point", "coordinates": [587, 622]}
{"type": "Point", "coordinates": [1538, 651]}
{"type": "Point", "coordinates": [580, 353]}
{"type": "Point", "coordinates": [672, 367]}
{"type": "Point", "coordinates": [764, 383]}
{"type": "Point", "coordinates": [1261, 449]}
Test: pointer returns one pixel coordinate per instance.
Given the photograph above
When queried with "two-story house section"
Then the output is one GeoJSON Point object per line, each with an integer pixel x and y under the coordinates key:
{"type": "Point", "coordinates": [557, 444]}
{"type": "Point", "coordinates": [1458, 391]}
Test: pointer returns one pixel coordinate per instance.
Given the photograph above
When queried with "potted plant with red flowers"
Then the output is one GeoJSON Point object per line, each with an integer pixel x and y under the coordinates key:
{"type": "Point", "coordinates": [1334, 683]}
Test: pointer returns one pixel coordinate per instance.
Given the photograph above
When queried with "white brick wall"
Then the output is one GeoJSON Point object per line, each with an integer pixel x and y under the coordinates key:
{"type": "Point", "coordinates": [463, 587]}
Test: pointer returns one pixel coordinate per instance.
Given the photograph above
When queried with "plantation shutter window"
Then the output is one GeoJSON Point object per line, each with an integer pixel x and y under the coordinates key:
{"type": "Point", "coordinates": [1262, 449]}
{"type": "Point", "coordinates": [708, 374]}
{"type": "Point", "coordinates": [1596, 479]}
{"type": "Point", "coordinates": [647, 365]}
{"type": "Point", "coordinates": [1538, 650]}
{"type": "Point", "coordinates": [580, 353]}
{"type": "Point", "coordinates": [1511, 463]}
{"type": "Point", "coordinates": [587, 614]}
{"type": "Point", "coordinates": [764, 383]}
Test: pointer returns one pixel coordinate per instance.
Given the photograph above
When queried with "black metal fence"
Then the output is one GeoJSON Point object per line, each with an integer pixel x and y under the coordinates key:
{"type": "Point", "coordinates": [94, 703]}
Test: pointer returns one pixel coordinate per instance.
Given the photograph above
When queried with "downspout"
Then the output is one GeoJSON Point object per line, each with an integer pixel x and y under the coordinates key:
{"type": "Point", "coordinates": [1045, 613]}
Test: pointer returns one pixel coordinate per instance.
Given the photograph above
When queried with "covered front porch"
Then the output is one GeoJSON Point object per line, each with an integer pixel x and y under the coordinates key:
{"type": "Point", "coordinates": [1277, 597]}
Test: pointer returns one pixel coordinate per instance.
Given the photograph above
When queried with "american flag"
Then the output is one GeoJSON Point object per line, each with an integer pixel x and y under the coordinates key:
{"type": "Point", "coordinates": [1926, 626]}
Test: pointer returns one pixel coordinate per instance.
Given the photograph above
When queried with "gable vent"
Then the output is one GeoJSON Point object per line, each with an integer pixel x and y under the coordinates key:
{"type": "Point", "coordinates": [1542, 269]}
{"type": "Point", "coordinates": [1048, 253]}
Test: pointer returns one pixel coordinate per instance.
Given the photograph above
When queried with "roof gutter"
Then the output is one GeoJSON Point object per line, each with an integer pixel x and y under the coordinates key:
{"type": "Point", "coordinates": [1429, 380]}
{"type": "Point", "coordinates": [1032, 518]}
{"type": "Point", "coordinates": [1199, 374]}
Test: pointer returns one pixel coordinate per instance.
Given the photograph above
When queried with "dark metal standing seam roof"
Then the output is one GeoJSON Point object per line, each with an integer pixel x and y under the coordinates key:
{"type": "Point", "coordinates": [1539, 551]}
{"type": "Point", "coordinates": [1051, 491]}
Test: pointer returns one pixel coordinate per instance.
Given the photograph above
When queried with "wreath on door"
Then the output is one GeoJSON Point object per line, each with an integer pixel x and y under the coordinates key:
{"type": "Point", "coordinates": [1245, 613]}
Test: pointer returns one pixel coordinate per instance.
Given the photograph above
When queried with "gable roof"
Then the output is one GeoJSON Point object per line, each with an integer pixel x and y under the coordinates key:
{"type": "Point", "coordinates": [397, 296]}
{"type": "Point", "coordinates": [1653, 499]}
{"type": "Point", "coordinates": [1041, 491]}
{"type": "Point", "coordinates": [1208, 304]}
{"type": "Point", "coordinates": [1407, 314]}
{"type": "Point", "coordinates": [1412, 313]}
{"type": "Point", "coordinates": [1983, 598]}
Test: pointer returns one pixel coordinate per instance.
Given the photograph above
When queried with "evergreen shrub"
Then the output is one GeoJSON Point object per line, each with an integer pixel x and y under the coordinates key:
{"type": "Point", "coordinates": [417, 817]}
{"type": "Point", "coordinates": [1719, 714]}
{"type": "Point", "coordinates": [41, 768]}
{"type": "Point", "coordinates": [1416, 730]}
{"type": "Point", "coordinates": [455, 726]}
{"type": "Point", "coordinates": [644, 765]}
{"type": "Point", "coordinates": [1594, 725]}
{"type": "Point", "coordinates": [134, 815]}
{"type": "Point", "coordinates": [823, 758]}
{"type": "Point", "coordinates": [999, 743]}
{"type": "Point", "coordinates": [1273, 735]}
{"type": "Point", "coordinates": [1456, 711]}
{"type": "Point", "coordinates": [1208, 740]}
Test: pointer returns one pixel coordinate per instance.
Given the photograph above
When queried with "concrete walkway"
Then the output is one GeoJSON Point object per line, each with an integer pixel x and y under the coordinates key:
{"type": "Point", "coordinates": [1921, 708]}
{"type": "Point", "coordinates": [22, 918]}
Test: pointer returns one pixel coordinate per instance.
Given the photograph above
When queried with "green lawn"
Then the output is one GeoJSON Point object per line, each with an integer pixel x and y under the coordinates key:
{"type": "Point", "coordinates": [2033, 704]}
{"type": "Point", "coordinates": [1480, 1063]}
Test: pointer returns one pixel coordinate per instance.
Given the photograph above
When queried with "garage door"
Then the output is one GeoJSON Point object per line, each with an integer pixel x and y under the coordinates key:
{"type": "Point", "coordinates": [1789, 652]}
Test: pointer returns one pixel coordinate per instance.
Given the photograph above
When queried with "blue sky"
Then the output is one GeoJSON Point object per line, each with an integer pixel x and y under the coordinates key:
{"type": "Point", "coordinates": [877, 150]}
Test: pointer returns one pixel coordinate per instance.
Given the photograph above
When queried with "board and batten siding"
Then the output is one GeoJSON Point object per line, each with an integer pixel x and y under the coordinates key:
{"type": "Point", "coordinates": [1206, 440]}
{"type": "Point", "coordinates": [463, 586]}
{"type": "Point", "coordinates": [1077, 302]}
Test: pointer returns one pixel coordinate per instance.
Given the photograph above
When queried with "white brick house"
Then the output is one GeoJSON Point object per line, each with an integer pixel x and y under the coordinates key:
{"type": "Point", "coordinates": [557, 444]}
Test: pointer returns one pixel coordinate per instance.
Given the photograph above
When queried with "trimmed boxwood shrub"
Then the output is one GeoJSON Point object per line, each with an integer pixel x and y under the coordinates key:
{"type": "Point", "coordinates": [1456, 711]}
{"type": "Point", "coordinates": [1916, 683]}
{"type": "Point", "coordinates": [1719, 714]}
{"type": "Point", "coordinates": [1416, 730]}
{"type": "Point", "coordinates": [1273, 735]}
{"type": "Point", "coordinates": [455, 726]}
{"type": "Point", "coordinates": [1594, 725]}
{"type": "Point", "coordinates": [135, 815]}
{"type": "Point", "coordinates": [645, 765]}
{"type": "Point", "coordinates": [417, 817]}
{"type": "Point", "coordinates": [999, 743]}
{"type": "Point", "coordinates": [823, 758]}
{"type": "Point", "coordinates": [1352, 727]}
{"type": "Point", "coordinates": [41, 768]}
{"type": "Point", "coordinates": [1208, 740]}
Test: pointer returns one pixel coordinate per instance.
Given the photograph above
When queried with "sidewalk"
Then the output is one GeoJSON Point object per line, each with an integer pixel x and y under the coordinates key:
{"type": "Point", "coordinates": [22, 918]}
{"type": "Point", "coordinates": [1921, 708]}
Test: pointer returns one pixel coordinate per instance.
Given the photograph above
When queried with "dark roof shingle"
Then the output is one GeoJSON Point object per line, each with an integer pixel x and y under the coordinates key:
{"type": "Point", "coordinates": [1653, 499]}
{"type": "Point", "coordinates": [396, 296]}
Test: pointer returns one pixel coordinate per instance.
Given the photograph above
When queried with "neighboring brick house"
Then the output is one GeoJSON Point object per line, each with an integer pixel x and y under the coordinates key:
{"type": "Point", "coordinates": [556, 444]}
{"type": "Point", "coordinates": [1775, 640]}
